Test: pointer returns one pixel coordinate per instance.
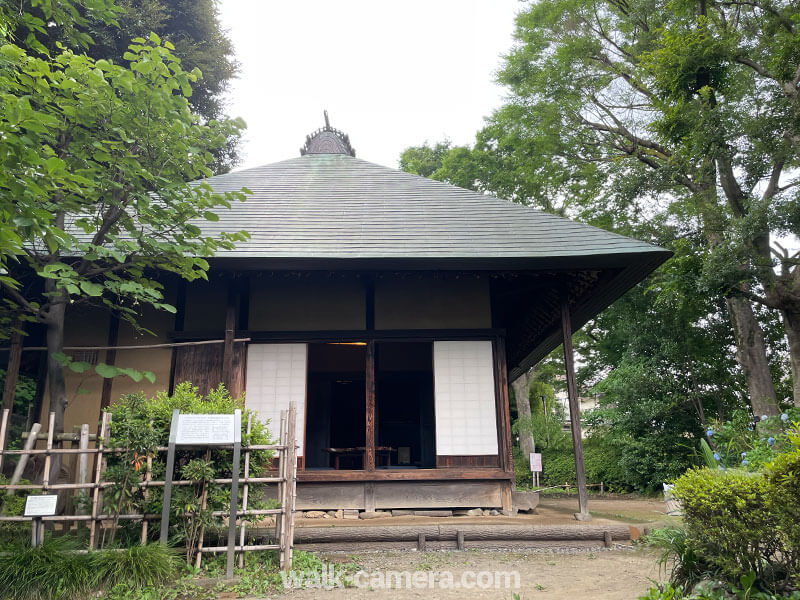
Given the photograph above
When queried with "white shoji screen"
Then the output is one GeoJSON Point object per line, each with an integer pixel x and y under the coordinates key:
{"type": "Point", "coordinates": [464, 398]}
{"type": "Point", "coordinates": [276, 375]}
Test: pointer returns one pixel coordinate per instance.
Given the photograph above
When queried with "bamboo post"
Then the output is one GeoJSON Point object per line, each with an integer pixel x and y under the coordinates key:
{"type": "Point", "coordinates": [291, 464]}
{"type": "Point", "coordinates": [148, 477]}
{"type": "Point", "coordinates": [82, 470]}
{"type": "Point", "coordinates": [281, 520]}
{"type": "Point", "coordinates": [3, 427]}
{"type": "Point", "coordinates": [203, 503]}
{"type": "Point", "coordinates": [245, 488]}
{"type": "Point", "coordinates": [23, 458]}
{"type": "Point", "coordinates": [98, 470]}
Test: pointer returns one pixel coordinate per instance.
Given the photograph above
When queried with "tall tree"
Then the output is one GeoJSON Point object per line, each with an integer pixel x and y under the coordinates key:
{"type": "Point", "coordinates": [98, 161]}
{"type": "Point", "coordinates": [192, 26]}
{"type": "Point", "coordinates": [691, 110]}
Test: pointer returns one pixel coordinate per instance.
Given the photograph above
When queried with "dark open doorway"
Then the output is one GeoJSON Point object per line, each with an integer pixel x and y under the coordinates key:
{"type": "Point", "coordinates": [404, 433]}
{"type": "Point", "coordinates": [336, 406]}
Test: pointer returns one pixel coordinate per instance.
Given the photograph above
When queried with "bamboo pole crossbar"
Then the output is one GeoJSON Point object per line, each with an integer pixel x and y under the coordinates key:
{"type": "Point", "coordinates": [140, 517]}
{"type": "Point", "coordinates": [115, 450]}
{"type": "Point", "coordinates": [137, 347]}
{"type": "Point", "coordinates": [100, 521]}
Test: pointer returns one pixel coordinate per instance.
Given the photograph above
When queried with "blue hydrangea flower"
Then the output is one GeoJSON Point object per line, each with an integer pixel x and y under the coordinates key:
{"type": "Point", "coordinates": [784, 417]}
{"type": "Point", "coordinates": [744, 454]}
{"type": "Point", "coordinates": [771, 441]}
{"type": "Point", "coordinates": [716, 456]}
{"type": "Point", "coordinates": [763, 417]}
{"type": "Point", "coordinates": [710, 432]}
{"type": "Point", "coordinates": [745, 462]}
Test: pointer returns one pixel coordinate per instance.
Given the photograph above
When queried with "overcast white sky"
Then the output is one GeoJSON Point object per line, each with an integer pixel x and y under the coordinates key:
{"type": "Point", "coordinates": [390, 74]}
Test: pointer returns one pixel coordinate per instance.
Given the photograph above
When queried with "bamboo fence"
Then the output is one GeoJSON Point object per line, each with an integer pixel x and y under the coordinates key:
{"type": "Point", "coordinates": [285, 479]}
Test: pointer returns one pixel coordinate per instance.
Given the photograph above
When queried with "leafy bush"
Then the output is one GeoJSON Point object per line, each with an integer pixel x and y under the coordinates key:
{"type": "Point", "coordinates": [601, 462]}
{"type": "Point", "coordinates": [139, 425]}
{"type": "Point", "coordinates": [748, 444]}
{"type": "Point", "coordinates": [678, 555]}
{"type": "Point", "coordinates": [742, 522]}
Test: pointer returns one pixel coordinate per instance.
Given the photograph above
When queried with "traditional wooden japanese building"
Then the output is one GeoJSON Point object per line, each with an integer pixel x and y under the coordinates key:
{"type": "Point", "coordinates": [393, 309]}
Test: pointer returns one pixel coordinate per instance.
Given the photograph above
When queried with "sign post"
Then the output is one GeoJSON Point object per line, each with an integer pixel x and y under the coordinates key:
{"type": "Point", "coordinates": [536, 465]}
{"type": "Point", "coordinates": [205, 430]}
{"type": "Point", "coordinates": [37, 507]}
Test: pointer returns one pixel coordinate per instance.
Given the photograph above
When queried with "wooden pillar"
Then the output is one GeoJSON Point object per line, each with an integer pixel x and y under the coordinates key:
{"type": "Point", "coordinates": [111, 359]}
{"type": "Point", "coordinates": [230, 331]}
{"type": "Point", "coordinates": [502, 407]}
{"type": "Point", "coordinates": [180, 315]}
{"type": "Point", "coordinates": [12, 371]}
{"type": "Point", "coordinates": [369, 454]}
{"type": "Point", "coordinates": [574, 414]}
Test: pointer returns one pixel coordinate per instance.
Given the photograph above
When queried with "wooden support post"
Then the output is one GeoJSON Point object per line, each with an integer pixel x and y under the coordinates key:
{"type": "Point", "coordinates": [23, 459]}
{"type": "Point", "coordinates": [148, 477]}
{"type": "Point", "coordinates": [369, 496]}
{"type": "Point", "coordinates": [12, 371]}
{"type": "Point", "coordinates": [280, 522]}
{"type": "Point", "coordinates": [503, 409]}
{"type": "Point", "coordinates": [460, 540]}
{"type": "Point", "coordinates": [82, 468]}
{"type": "Point", "coordinates": [237, 449]}
{"type": "Point", "coordinates": [574, 414]}
{"type": "Point", "coordinates": [99, 463]}
{"type": "Point", "coordinates": [369, 454]}
{"type": "Point", "coordinates": [245, 488]}
{"type": "Point", "coordinates": [291, 483]}
{"type": "Point", "coordinates": [230, 330]}
{"type": "Point", "coordinates": [421, 545]}
{"type": "Point", "coordinates": [111, 359]}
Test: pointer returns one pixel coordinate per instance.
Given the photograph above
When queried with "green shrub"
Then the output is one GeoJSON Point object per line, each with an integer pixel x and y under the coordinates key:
{"type": "Point", "coordinates": [729, 523]}
{"type": "Point", "coordinates": [744, 522]}
{"type": "Point", "coordinates": [51, 570]}
{"type": "Point", "coordinates": [139, 425]}
{"type": "Point", "coordinates": [137, 567]}
{"type": "Point", "coordinates": [678, 555]}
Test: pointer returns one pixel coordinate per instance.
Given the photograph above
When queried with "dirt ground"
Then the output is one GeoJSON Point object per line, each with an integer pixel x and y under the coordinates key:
{"type": "Point", "coordinates": [621, 574]}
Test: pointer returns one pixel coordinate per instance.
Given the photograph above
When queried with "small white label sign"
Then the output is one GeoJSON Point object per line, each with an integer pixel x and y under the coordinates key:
{"type": "Point", "coordinates": [536, 462]}
{"type": "Point", "coordinates": [206, 429]}
{"type": "Point", "coordinates": [41, 506]}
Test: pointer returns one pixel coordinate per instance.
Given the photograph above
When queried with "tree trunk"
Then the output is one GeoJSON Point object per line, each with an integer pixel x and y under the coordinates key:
{"type": "Point", "coordinates": [751, 354]}
{"type": "Point", "coordinates": [791, 323]}
{"type": "Point", "coordinates": [55, 372]}
{"type": "Point", "coordinates": [522, 391]}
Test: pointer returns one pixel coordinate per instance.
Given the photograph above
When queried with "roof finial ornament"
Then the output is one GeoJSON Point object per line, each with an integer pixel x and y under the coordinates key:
{"type": "Point", "coordinates": [327, 140]}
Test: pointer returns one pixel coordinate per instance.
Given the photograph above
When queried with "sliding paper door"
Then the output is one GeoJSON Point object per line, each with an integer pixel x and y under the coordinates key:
{"type": "Point", "coordinates": [276, 375]}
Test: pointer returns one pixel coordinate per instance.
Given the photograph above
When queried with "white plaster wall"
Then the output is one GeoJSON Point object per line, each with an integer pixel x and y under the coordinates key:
{"type": "Point", "coordinates": [276, 375]}
{"type": "Point", "coordinates": [464, 390]}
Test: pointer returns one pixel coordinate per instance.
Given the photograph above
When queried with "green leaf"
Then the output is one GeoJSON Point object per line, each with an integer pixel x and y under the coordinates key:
{"type": "Point", "coordinates": [79, 367]}
{"type": "Point", "coordinates": [106, 371]}
{"type": "Point", "coordinates": [150, 376]}
{"type": "Point", "coordinates": [92, 289]}
{"type": "Point", "coordinates": [61, 358]}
